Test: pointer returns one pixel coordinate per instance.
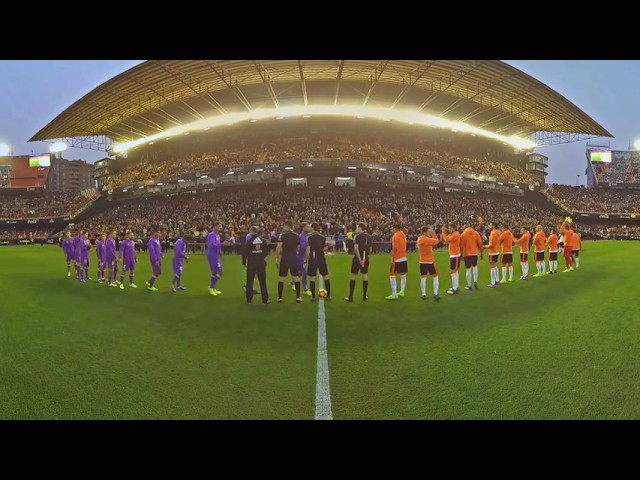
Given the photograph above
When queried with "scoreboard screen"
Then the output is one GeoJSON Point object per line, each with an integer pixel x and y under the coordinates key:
{"type": "Point", "coordinates": [40, 161]}
{"type": "Point", "coordinates": [602, 156]}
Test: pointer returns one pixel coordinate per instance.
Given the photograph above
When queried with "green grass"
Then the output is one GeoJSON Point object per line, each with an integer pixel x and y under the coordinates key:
{"type": "Point", "coordinates": [549, 348]}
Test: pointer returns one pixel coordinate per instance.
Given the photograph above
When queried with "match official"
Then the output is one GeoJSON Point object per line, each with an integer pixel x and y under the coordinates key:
{"type": "Point", "coordinates": [255, 251]}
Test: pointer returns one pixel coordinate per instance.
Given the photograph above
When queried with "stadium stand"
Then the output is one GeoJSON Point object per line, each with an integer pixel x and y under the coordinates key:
{"type": "Point", "coordinates": [155, 167]}
{"type": "Point", "coordinates": [14, 206]}
{"type": "Point", "coordinates": [336, 209]}
{"type": "Point", "coordinates": [606, 200]}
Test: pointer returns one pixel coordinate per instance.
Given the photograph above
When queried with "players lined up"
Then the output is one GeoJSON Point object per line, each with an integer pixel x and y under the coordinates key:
{"type": "Point", "coordinates": [294, 251]}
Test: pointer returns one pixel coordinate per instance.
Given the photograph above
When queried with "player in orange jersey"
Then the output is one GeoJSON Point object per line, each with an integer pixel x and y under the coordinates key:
{"type": "Point", "coordinates": [569, 243]}
{"type": "Point", "coordinates": [507, 241]}
{"type": "Point", "coordinates": [494, 253]}
{"type": "Point", "coordinates": [470, 247]}
{"type": "Point", "coordinates": [426, 242]}
{"type": "Point", "coordinates": [523, 243]}
{"type": "Point", "coordinates": [398, 262]}
{"type": "Point", "coordinates": [539, 242]}
{"type": "Point", "coordinates": [451, 237]}
{"type": "Point", "coordinates": [552, 242]}
{"type": "Point", "coordinates": [577, 245]}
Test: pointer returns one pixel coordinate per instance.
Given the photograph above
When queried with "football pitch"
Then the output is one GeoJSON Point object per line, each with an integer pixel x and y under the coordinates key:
{"type": "Point", "coordinates": [557, 347]}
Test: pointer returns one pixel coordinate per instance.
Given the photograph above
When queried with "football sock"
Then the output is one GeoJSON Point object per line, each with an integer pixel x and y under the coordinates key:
{"type": "Point", "coordinates": [297, 284]}
{"type": "Point", "coordinates": [352, 287]}
{"type": "Point", "coordinates": [327, 286]}
{"type": "Point", "coordinates": [152, 280]}
{"type": "Point", "coordinates": [312, 284]}
{"type": "Point", "coordinates": [511, 272]}
{"type": "Point", "coordinates": [214, 281]}
{"type": "Point", "coordinates": [504, 273]}
{"type": "Point", "coordinates": [455, 280]}
{"type": "Point", "coordinates": [403, 282]}
{"type": "Point", "coordinates": [475, 274]}
{"type": "Point", "coordinates": [130, 279]}
{"type": "Point", "coordinates": [468, 272]}
{"type": "Point", "coordinates": [577, 262]}
{"type": "Point", "coordinates": [423, 285]}
{"type": "Point", "coordinates": [436, 285]}
{"type": "Point", "coordinates": [365, 287]}
{"type": "Point", "coordinates": [280, 289]}
{"type": "Point", "coordinates": [394, 287]}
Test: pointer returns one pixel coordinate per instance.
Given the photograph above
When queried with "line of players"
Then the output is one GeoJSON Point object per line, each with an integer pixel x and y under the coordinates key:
{"type": "Point", "coordinates": [295, 251]}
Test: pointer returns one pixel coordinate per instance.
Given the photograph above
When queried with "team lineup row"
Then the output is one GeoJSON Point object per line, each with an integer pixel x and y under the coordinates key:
{"type": "Point", "coordinates": [302, 256]}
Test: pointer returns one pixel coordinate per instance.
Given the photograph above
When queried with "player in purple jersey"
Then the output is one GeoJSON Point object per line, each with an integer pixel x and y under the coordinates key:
{"type": "Point", "coordinates": [80, 254]}
{"type": "Point", "coordinates": [214, 254]}
{"type": "Point", "coordinates": [301, 258]}
{"type": "Point", "coordinates": [111, 259]}
{"type": "Point", "coordinates": [127, 255]}
{"type": "Point", "coordinates": [179, 257]}
{"type": "Point", "coordinates": [87, 245]}
{"type": "Point", "coordinates": [67, 248]}
{"type": "Point", "coordinates": [100, 253]}
{"type": "Point", "coordinates": [155, 257]}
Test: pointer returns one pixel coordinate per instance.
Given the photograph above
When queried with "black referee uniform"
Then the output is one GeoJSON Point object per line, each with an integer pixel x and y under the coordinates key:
{"type": "Point", "coordinates": [254, 258]}
{"type": "Point", "coordinates": [288, 261]}
{"type": "Point", "coordinates": [316, 243]}
{"type": "Point", "coordinates": [363, 241]}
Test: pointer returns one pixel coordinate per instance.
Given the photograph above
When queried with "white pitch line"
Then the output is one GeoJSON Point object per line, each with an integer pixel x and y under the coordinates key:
{"type": "Point", "coordinates": [323, 392]}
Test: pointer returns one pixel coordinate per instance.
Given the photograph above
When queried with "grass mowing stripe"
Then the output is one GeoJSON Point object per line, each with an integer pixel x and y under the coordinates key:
{"type": "Point", "coordinates": [323, 391]}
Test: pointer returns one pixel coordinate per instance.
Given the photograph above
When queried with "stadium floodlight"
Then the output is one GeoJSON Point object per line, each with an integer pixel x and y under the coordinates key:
{"type": "Point", "coordinates": [58, 147]}
{"type": "Point", "coordinates": [636, 144]}
{"type": "Point", "coordinates": [402, 116]}
{"type": "Point", "coordinates": [4, 150]}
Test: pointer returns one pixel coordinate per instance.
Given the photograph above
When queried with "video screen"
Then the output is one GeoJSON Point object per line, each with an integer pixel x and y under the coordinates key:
{"type": "Point", "coordinates": [600, 156]}
{"type": "Point", "coordinates": [40, 161]}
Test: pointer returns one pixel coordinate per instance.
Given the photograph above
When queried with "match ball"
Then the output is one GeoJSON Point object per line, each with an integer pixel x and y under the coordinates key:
{"type": "Point", "coordinates": [322, 293]}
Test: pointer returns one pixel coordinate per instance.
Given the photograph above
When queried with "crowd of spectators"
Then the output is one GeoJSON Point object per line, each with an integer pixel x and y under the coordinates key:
{"type": "Point", "coordinates": [22, 234]}
{"type": "Point", "coordinates": [605, 200]}
{"type": "Point", "coordinates": [41, 206]}
{"type": "Point", "coordinates": [155, 166]}
{"type": "Point", "coordinates": [336, 209]}
{"type": "Point", "coordinates": [623, 168]}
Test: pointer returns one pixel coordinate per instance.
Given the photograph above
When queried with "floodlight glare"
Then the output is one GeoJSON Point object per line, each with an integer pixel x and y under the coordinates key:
{"type": "Point", "coordinates": [4, 150]}
{"type": "Point", "coordinates": [58, 147]}
{"type": "Point", "coordinates": [404, 116]}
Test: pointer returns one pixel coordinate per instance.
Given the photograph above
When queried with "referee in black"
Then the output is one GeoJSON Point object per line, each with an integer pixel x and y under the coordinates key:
{"type": "Point", "coordinates": [254, 253]}
{"type": "Point", "coordinates": [360, 263]}
{"type": "Point", "coordinates": [316, 261]}
{"type": "Point", "coordinates": [286, 252]}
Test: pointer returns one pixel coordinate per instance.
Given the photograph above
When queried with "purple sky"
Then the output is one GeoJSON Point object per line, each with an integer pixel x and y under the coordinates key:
{"type": "Point", "coordinates": [33, 92]}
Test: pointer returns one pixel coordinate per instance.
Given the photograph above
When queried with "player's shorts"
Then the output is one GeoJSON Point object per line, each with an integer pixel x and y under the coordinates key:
{"type": "Point", "coordinates": [493, 257]}
{"type": "Point", "coordinates": [288, 266]}
{"type": "Point", "coordinates": [357, 267]}
{"type": "Point", "coordinates": [177, 268]}
{"type": "Point", "coordinates": [524, 257]}
{"type": "Point", "coordinates": [470, 261]}
{"type": "Point", "coordinates": [111, 263]}
{"type": "Point", "coordinates": [399, 267]}
{"type": "Point", "coordinates": [215, 265]}
{"type": "Point", "coordinates": [454, 263]}
{"type": "Point", "coordinates": [576, 253]}
{"type": "Point", "coordinates": [317, 265]}
{"type": "Point", "coordinates": [507, 258]}
{"type": "Point", "coordinates": [84, 261]}
{"type": "Point", "coordinates": [129, 266]}
{"type": "Point", "coordinates": [157, 269]}
{"type": "Point", "coordinates": [428, 269]}
{"type": "Point", "coordinates": [68, 257]}
{"type": "Point", "coordinates": [568, 251]}
{"type": "Point", "coordinates": [539, 256]}
{"type": "Point", "coordinates": [300, 262]}
{"type": "Point", "coordinates": [553, 256]}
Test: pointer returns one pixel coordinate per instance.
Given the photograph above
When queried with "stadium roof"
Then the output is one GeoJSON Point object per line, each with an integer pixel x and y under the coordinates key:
{"type": "Point", "coordinates": [158, 95]}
